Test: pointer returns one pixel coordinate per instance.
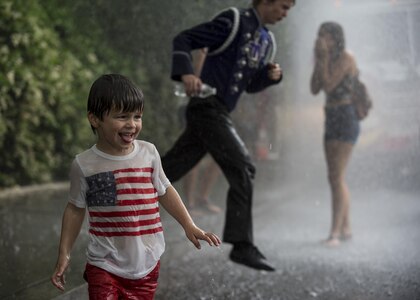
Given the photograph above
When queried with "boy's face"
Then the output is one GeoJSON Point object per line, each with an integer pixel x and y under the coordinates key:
{"type": "Point", "coordinates": [117, 131]}
{"type": "Point", "coordinates": [272, 12]}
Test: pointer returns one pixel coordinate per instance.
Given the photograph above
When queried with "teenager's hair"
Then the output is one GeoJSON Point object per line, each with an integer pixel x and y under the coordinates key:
{"type": "Point", "coordinates": [255, 3]}
{"type": "Point", "coordinates": [337, 34]}
{"type": "Point", "coordinates": [114, 91]}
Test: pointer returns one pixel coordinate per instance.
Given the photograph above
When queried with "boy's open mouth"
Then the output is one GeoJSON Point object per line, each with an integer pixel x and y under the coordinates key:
{"type": "Point", "coordinates": [127, 137]}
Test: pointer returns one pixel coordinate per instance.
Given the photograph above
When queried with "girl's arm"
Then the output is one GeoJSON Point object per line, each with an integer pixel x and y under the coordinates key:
{"type": "Point", "coordinates": [72, 223]}
{"type": "Point", "coordinates": [333, 75]}
{"type": "Point", "coordinates": [327, 74]}
{"type": "Point", "coordinates": [320, 57]}
{"type": "Point", "coordinates": [316, 79]}
{"type": "Point", "coordinates": [173, 204]}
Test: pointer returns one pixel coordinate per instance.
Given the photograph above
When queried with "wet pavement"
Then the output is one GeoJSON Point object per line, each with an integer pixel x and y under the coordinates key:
{"type": "Point", "coordinates": [291, 217]}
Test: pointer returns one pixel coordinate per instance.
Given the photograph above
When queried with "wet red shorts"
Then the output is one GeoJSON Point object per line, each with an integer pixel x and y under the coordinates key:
{"type": "Point", "coordinates": [104, 285]}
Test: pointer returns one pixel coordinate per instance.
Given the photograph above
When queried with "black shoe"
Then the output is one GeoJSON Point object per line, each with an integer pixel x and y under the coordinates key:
{"type": "Point", "coordinates": [249, 255]}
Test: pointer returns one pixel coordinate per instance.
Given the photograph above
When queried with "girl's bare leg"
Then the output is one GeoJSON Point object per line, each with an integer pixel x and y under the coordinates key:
{"type": "Point", "coordinates": [337, 155]}
{"type": "Point", "coordinates": [211, 174]}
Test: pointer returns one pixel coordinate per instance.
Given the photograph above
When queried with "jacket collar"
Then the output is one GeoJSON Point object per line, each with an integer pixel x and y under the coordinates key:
{"type": "Point", "coordinates": [254, 12]}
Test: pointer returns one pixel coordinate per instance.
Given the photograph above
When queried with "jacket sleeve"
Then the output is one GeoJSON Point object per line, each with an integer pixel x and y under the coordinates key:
{"type": "Point", "coordinates": [260, 81]}
{"type": "Point", "coordinates": [210, 35]}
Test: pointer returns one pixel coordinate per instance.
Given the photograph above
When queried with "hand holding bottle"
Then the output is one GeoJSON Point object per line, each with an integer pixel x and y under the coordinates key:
{"type": "Point", "coordinates": [192, 84]}
{"type": "Point", "coordinates": [193, 87]}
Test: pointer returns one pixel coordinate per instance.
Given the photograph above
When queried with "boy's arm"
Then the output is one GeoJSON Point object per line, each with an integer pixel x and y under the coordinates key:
{"type": "Point", "coordinates": [211, 35]}
{"type": "Point", "coordinates": [72, 223]}
{"type": "Point", "coordinates": [192, 82]}
{"type": "Point", "coordinates": [173, 204]}
{"type": "Point", "coordinates": [266, 76]}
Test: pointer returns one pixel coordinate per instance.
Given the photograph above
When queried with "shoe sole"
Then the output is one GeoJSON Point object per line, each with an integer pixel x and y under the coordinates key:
{"type": "Point", "coordinates": [257, 267]}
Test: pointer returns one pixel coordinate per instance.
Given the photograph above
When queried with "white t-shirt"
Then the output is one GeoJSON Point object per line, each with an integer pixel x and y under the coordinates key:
{"type": "Point", "coordinates": [121, 195]}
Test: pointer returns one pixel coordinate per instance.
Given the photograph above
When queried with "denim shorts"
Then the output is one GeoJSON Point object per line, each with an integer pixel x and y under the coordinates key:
{"type": "Point", "coordinates": [341, 123]}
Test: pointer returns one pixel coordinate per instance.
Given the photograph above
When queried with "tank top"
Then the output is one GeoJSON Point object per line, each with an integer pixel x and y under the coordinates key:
{"type": "Point", "coordinates": [342, 91]}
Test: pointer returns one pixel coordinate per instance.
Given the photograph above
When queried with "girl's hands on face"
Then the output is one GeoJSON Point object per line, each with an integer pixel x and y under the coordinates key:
{"type": "Point", "coordinates": [321, 47]}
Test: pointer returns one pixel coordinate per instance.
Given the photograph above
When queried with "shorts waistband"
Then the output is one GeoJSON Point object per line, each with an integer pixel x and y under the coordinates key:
{"type": "Point", "coordinates": [338, 103]}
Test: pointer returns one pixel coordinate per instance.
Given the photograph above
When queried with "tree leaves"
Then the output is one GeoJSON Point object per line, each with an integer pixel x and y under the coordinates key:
{"type": "Point", "coordinates": [50, 53]}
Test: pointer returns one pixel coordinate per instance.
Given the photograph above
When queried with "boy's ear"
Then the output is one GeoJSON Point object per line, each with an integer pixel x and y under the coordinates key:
{"type": "Point", "coordinates": [93, 120]}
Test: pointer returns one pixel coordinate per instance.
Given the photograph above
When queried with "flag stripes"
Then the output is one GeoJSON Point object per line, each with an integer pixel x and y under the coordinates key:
{"type": "Point", "coordinates": [136, 209]}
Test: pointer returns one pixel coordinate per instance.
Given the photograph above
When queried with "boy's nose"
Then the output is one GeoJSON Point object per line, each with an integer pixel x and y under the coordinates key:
{"type": "Point", "coordinates": [131, 122]}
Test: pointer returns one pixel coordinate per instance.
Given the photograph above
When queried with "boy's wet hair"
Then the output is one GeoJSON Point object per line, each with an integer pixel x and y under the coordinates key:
{"type": "Point", "coordinates": [114, 91]}
{"type": "Point", "coordinates": [257, 2]}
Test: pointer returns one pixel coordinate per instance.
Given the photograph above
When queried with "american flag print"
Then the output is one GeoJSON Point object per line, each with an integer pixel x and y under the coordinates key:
{"type": "Point", "coordinates": [123, 202]}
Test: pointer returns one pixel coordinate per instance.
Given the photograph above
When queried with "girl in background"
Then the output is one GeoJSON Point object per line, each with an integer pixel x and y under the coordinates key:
{"type": "Point", "coordinates": [334, 73]}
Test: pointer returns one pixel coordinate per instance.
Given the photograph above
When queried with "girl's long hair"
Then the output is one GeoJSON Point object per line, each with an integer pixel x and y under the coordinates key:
{"type": "Point", "coordinates": [337, 34]}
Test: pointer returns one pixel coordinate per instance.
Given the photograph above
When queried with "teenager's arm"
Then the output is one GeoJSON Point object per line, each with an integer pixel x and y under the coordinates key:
{"type": "Point", "coordinates": [72, 223]}
{"type": "Point", "coordinates": [327, 74]}
{"type": "Point", "coordinates": [333, 75]}
{"type": "Point", "coordinates": [192, 82]}
{"type": "Point", "coordinates": [316, 80]}
{"type": "Point", "coordinates": [211, 35]}
{"type": "Point", "coordinates": [172, 203]}
{"type": "Point", "coordinates": [198, 57]}
{"type": "Point", "coordinates": [320, 57]}
{"type": "Point", "coordinates": [266, 76]}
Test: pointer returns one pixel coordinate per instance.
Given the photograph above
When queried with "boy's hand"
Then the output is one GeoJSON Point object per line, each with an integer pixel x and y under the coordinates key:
{"type": "Point", "coordinates": [58, 279]}
{"type": "Point", "coordinates": [274, 71]}
{"type": "Point", "coordinates": [194, 234]}
{"type": "Point", "coordinates": [192, 84]}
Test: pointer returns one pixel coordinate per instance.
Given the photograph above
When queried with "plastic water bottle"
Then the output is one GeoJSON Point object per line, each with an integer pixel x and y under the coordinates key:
{"type": "Point", "coordinates": [205, 91]}
{"type": "Point", "coordinates": [179, 90]}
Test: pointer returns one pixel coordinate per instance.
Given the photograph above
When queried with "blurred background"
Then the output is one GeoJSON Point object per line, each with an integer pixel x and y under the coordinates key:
{"type": "Point", "coordinates": [381, 34]}
{"type": "Point", "coordinates": [52, 51]}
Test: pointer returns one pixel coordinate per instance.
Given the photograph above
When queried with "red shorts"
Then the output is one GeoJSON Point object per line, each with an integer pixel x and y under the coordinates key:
{"type": "Point", "coordinates": [104, 285]}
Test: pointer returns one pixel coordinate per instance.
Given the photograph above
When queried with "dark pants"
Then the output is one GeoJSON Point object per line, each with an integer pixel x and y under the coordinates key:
{"type": "Point", "coordinates": [210, 129]}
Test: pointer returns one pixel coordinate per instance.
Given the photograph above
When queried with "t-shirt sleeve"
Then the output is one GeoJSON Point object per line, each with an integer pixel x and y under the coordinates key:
{"type": "Point", "coordinates": [160, 181]}
{"type": "Point", "coordinates": [78, 185]}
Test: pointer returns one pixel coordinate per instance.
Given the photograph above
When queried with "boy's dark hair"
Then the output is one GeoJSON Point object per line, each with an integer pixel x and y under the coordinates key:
{"type": "Point", "coordinates": [114, 91]}
{"type": "Point", "coordinates": [256, 2]}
